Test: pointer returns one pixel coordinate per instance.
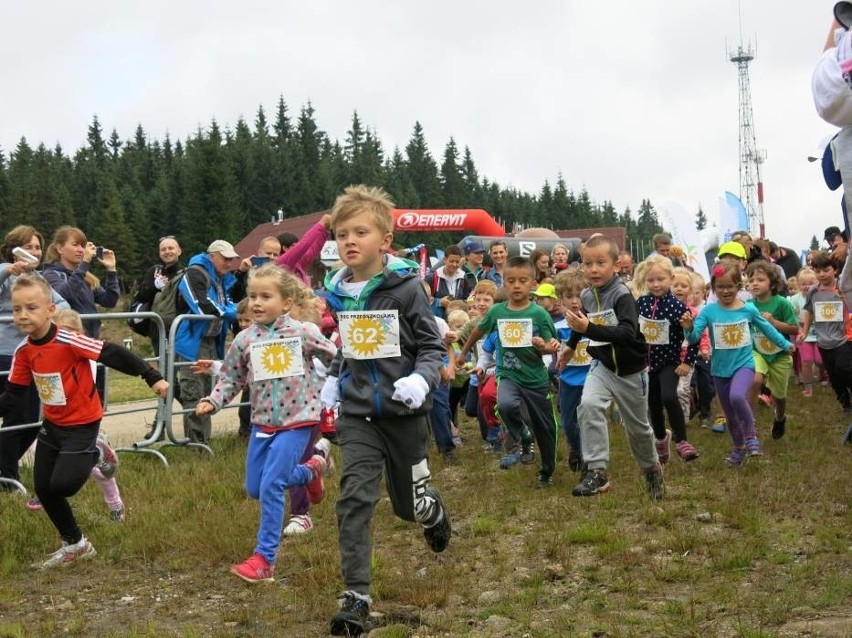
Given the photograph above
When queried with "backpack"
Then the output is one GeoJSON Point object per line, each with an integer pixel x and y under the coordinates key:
{"type": "Point", "coordinates": [139, 325]}
{"type": "Point", "coordinates": [165, 301]}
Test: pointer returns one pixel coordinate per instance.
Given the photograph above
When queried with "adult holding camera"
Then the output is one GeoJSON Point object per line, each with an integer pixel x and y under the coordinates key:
{"type": "Point", "coordinates": [21, 253]}
{"type": "Point", "coordinates": [69, 260]}
{"type": "Point", "coordinates": [268, 251]}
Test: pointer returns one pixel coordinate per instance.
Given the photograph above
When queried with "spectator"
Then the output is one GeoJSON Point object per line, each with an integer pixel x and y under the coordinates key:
{"type": "Point", "coordinates": [155, 279]}
{"type": "Point", "coordinates": [450, 281]}
{"type": "Point", "coordinates": [474, 255]}
{"type": "Point", "coordinates": [204, 290]}
{"type": "Point", "coordinates": [498, 254]}
{"type": "Point", "coordinates": [625, 266]}
{"type": "Point", "coordinates": [662, 244]}
{"type": "Point", "coordinates": [541, 264]}
{"type": "Point", "coordinates": [69, 260]}
{"type": "Point", "coordinates": [269, 249]}
{"type": "Point", "coordinates": [786, 258]}
{"type": "Point", "coordinates": [297, 257]}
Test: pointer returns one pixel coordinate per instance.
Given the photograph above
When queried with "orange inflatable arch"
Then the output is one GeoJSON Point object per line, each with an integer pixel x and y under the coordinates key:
{"type": "Point", "coordinates": [473, 220]}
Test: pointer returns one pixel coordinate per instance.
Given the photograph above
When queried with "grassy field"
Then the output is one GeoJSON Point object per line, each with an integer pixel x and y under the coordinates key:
{"type": "Point", "coordinates": [764, 550]}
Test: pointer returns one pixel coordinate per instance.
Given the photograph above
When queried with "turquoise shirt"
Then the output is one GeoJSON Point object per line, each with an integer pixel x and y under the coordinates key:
{"type": "Point", "coordinates": [731, 335]}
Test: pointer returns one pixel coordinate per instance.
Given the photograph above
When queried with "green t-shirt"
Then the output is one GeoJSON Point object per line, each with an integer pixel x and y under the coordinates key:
{"type": "Point", "coordinates": [517, 359]}
{"type": "Point", "coordinates": [781, 310]}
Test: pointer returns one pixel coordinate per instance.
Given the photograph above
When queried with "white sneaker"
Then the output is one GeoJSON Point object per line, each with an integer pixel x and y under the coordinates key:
{"type": "Point", "coordinates": [299, 524]}
{"type": "Point", "coordinates": [68, 553]}
{"type": "Point", "coordinates": [323, 447]}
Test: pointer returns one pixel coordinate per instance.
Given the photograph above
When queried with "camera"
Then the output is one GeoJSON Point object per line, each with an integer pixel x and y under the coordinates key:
{"type": "Point", "coordinates": [258, 261]}
{"type": "Point", "coordinates": [99, 252]}
{"type": "Point", "coordinates": [24, 255]}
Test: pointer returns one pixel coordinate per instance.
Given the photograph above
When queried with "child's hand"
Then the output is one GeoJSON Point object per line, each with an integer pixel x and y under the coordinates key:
{"type": "Point", "coordinates": [704, 353]}
{"type": "Point", "coordinates": [767, 316]}
{"type": "Point", "coordinates": [564, 357]}
{"type": "Point", "coordinates": [577, 321]}
{"type": "Point", "coordinates": [451, 337]}
{"type": "Point", "coordinates": [447, 374]}
{"type": "Point", "coordinates": [683, 369]}
{"type": "Point", "coordinates": [204, 407]}
{"type": "Point", "coordinates": [800, 338]}
{"type": "Point", "coordinates": [161, 388]}
{"type": "Point", "coordinates": [686, 320]}
{"type": "Point", "coordinates": [202, 366]}
{"type": "Point", "coordinates": [792, 348]}
{"type": "Point", "coordinates": [538, 344]}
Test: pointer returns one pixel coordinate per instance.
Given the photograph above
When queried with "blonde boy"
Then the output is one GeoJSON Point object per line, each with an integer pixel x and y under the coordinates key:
{"type": "Point", "coordinates": [383, 375]}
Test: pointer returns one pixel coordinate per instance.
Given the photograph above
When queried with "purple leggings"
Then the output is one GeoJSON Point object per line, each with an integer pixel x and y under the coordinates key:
{"type": "Point", "coordinates": [733, 396]}
{"type": "Point", "coordinates": [299, 503]}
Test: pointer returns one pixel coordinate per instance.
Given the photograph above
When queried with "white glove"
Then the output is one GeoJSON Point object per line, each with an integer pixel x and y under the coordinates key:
{"type": "Point", "coordinates": [330, 393]}
{"type": "Point", "coordinates": [411, 390]}
{"type": "Point", "coordinates": [321, 370]}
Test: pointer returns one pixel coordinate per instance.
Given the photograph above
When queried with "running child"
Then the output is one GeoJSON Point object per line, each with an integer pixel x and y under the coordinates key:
{"type": "Point", "coordinates": [729, 320]}
{"type": "Point", "coordinates": [827, 311]}
{"type": "Point", "coordinates": [382, 376]}
{"type": "Point", "coordinates": [525, 331]}
{"type": "Point", "coordinates": [105, 468]}
{"type": "Point", "coordinates": [274, 356]}
{"type": "Point", "coordinates": [569, 285]}
{"type": "Point", "coordinates": [810, 360]}
{"type": "Point", "coordinates": [772, 364]}
{"type": "Point", "coordinates": [659, 320]}
{"type": "Point", "coordinates": [57, 360]}
{"type": "Point", "coordinates": [618, 373]}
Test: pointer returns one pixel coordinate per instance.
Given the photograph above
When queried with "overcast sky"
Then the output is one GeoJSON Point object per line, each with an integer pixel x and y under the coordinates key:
{"type": "Point", "coordinates": [628, 99]}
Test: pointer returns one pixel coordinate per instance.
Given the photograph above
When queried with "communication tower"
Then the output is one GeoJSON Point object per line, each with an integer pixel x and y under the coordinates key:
{"type": "Point", "coordinates": [751, 186]}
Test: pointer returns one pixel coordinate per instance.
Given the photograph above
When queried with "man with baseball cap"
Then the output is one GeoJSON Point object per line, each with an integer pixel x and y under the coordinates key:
{"type": "Point", "coordinates": [474, 255]}
{"type": "Point", "coordinates": [204, 290]}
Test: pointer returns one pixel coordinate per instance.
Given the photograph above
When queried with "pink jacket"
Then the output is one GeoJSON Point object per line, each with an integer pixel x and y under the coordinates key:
{"type": "Point", "coordinates": [302, 254]}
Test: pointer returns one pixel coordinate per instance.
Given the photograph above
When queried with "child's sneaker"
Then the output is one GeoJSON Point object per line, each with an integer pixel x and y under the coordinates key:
{"type": "Point", "coordinates": [352, 618]}
{"type": "Point", "coordinates": [69, 553]}
{"type": "Point", "coordinates": [255, 570]}
{"type": "Point", "coordinates": [737, 457]}
{"type": "Point", "coordinates": [663, 446]}
{"type": "Point", "coordinates": [544, 481]}
{"type": "Point", "coordinates": [528, 454]}
{"type": "Point", "coordinates": [299, 524]}
{"type": "Point", "coordinates": [753, 447]}
{"type": "Point", "coordinates": [107, 458]}
{"type": "Point", "coordinates": [704, 422]}
{"type": "Point", "coordinates": [117, 515]}
{"type": "Point", "coordinates": [654, 483]}
{"type": "Point", "coordinates": [808, 390]}
{"type": "Point", "coordinates": [438, 536]}
{"type": "Point", "coordinates": [686, 451]}
{"type": "Point", "coordinates": [779, 426]}
{"type": "Point", "coordinates": [847, 437]}
{"type": "Point", "coordinates": [719, 425]}
{"type": "Point", "coordinates": [765, 399]}
{"type": "Point", "coordinates": [510, 460]}
{"type": "Point", "coordinates": [593, 482]}
{"type": "Point", "coordinates": [316, 487]}
{"type": "Point", "coordinates": [33, 504]}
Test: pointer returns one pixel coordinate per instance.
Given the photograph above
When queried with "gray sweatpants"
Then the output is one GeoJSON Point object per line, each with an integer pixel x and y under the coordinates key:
{"type": "Point", "coordinates": [194, 387]}
{"type": "Point", "coordinates": [399, 447]}
{"type": "Point", "coordinates": [511, 397]}
{"type": "Point", "coordinates": [630, 394]}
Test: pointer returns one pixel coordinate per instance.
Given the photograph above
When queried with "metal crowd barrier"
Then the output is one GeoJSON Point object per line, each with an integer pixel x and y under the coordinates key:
{"type": "Point", "coordinates": [162, 425]}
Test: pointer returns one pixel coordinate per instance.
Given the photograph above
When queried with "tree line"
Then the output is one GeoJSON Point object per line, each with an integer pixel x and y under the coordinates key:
{"type": "Point", "coordinates": [221, 183]}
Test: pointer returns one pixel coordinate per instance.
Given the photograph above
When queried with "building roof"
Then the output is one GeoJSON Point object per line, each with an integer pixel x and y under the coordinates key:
{"type": "Point", "coordinates": [248, 245]}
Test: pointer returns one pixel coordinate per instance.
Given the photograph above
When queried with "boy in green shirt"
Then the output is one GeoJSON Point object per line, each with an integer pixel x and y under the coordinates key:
{"type": "Point", "coordinates": [525, 332]}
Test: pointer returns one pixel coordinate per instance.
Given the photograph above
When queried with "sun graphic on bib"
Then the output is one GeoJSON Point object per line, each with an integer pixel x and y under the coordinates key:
{"type": "Point", "coordinates": [829, 312]}
{"type": "Point", "coordinates": [365, 336]}
{"type": "Point", "coordinates": [514, 333]}
{"type": "Point", "coordinates": [45, 390]}
{"type": "Point", "coordinates": [732, 335]}
{"type": "Point", "coordinates": [652, 332]}
{"type": "Point", "coordinates": [764, 345]}
{"type": "Point", "coordinates": [277, 358]}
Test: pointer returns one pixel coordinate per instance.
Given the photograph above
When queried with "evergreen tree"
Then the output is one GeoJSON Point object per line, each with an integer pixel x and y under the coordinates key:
{"type": "Point", "coordinates": [814, 243]}
{"type": "Point", "coordinates": [471, 179]}
{"type": "Point", "coordinates": [422, 170]}
{"type": "Point", "coordinates": [700, 219]}
{"type": "Point", "coordinates": [454, 189]}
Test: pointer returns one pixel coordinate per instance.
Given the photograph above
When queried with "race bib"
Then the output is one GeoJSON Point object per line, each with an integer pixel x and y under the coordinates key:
{"type": "Point", "coordinates": [764, 345]}
{"type": "Point", "coordinates": [728, 336]}
{"type": "Point", "coordinates": [370, 334]}
{"type": "Point", "coordinates": [50, 389]}
{"type": "Point", "coordinates": [603, 318]}
{"type": "Point", "coordinates": [581, 354]}
{"type": "Point", "coordinates": [831, 311]}
{"type": "Point", "coordinates": [515, 333]}
{"type": "Point", "coordinates": [277, 358]}
{"type": "Point", "coordinates": [656, 331]}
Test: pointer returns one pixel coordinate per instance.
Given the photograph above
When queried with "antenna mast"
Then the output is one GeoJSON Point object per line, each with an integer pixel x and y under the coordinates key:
{"type": "Point", "coordinates": [751, 186]}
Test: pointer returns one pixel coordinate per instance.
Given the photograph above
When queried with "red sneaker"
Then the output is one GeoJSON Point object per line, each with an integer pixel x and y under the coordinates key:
{"type": "Point", "coordinates": [316, 488]}
{"type": "Point", "coordinates": [255, 570]}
